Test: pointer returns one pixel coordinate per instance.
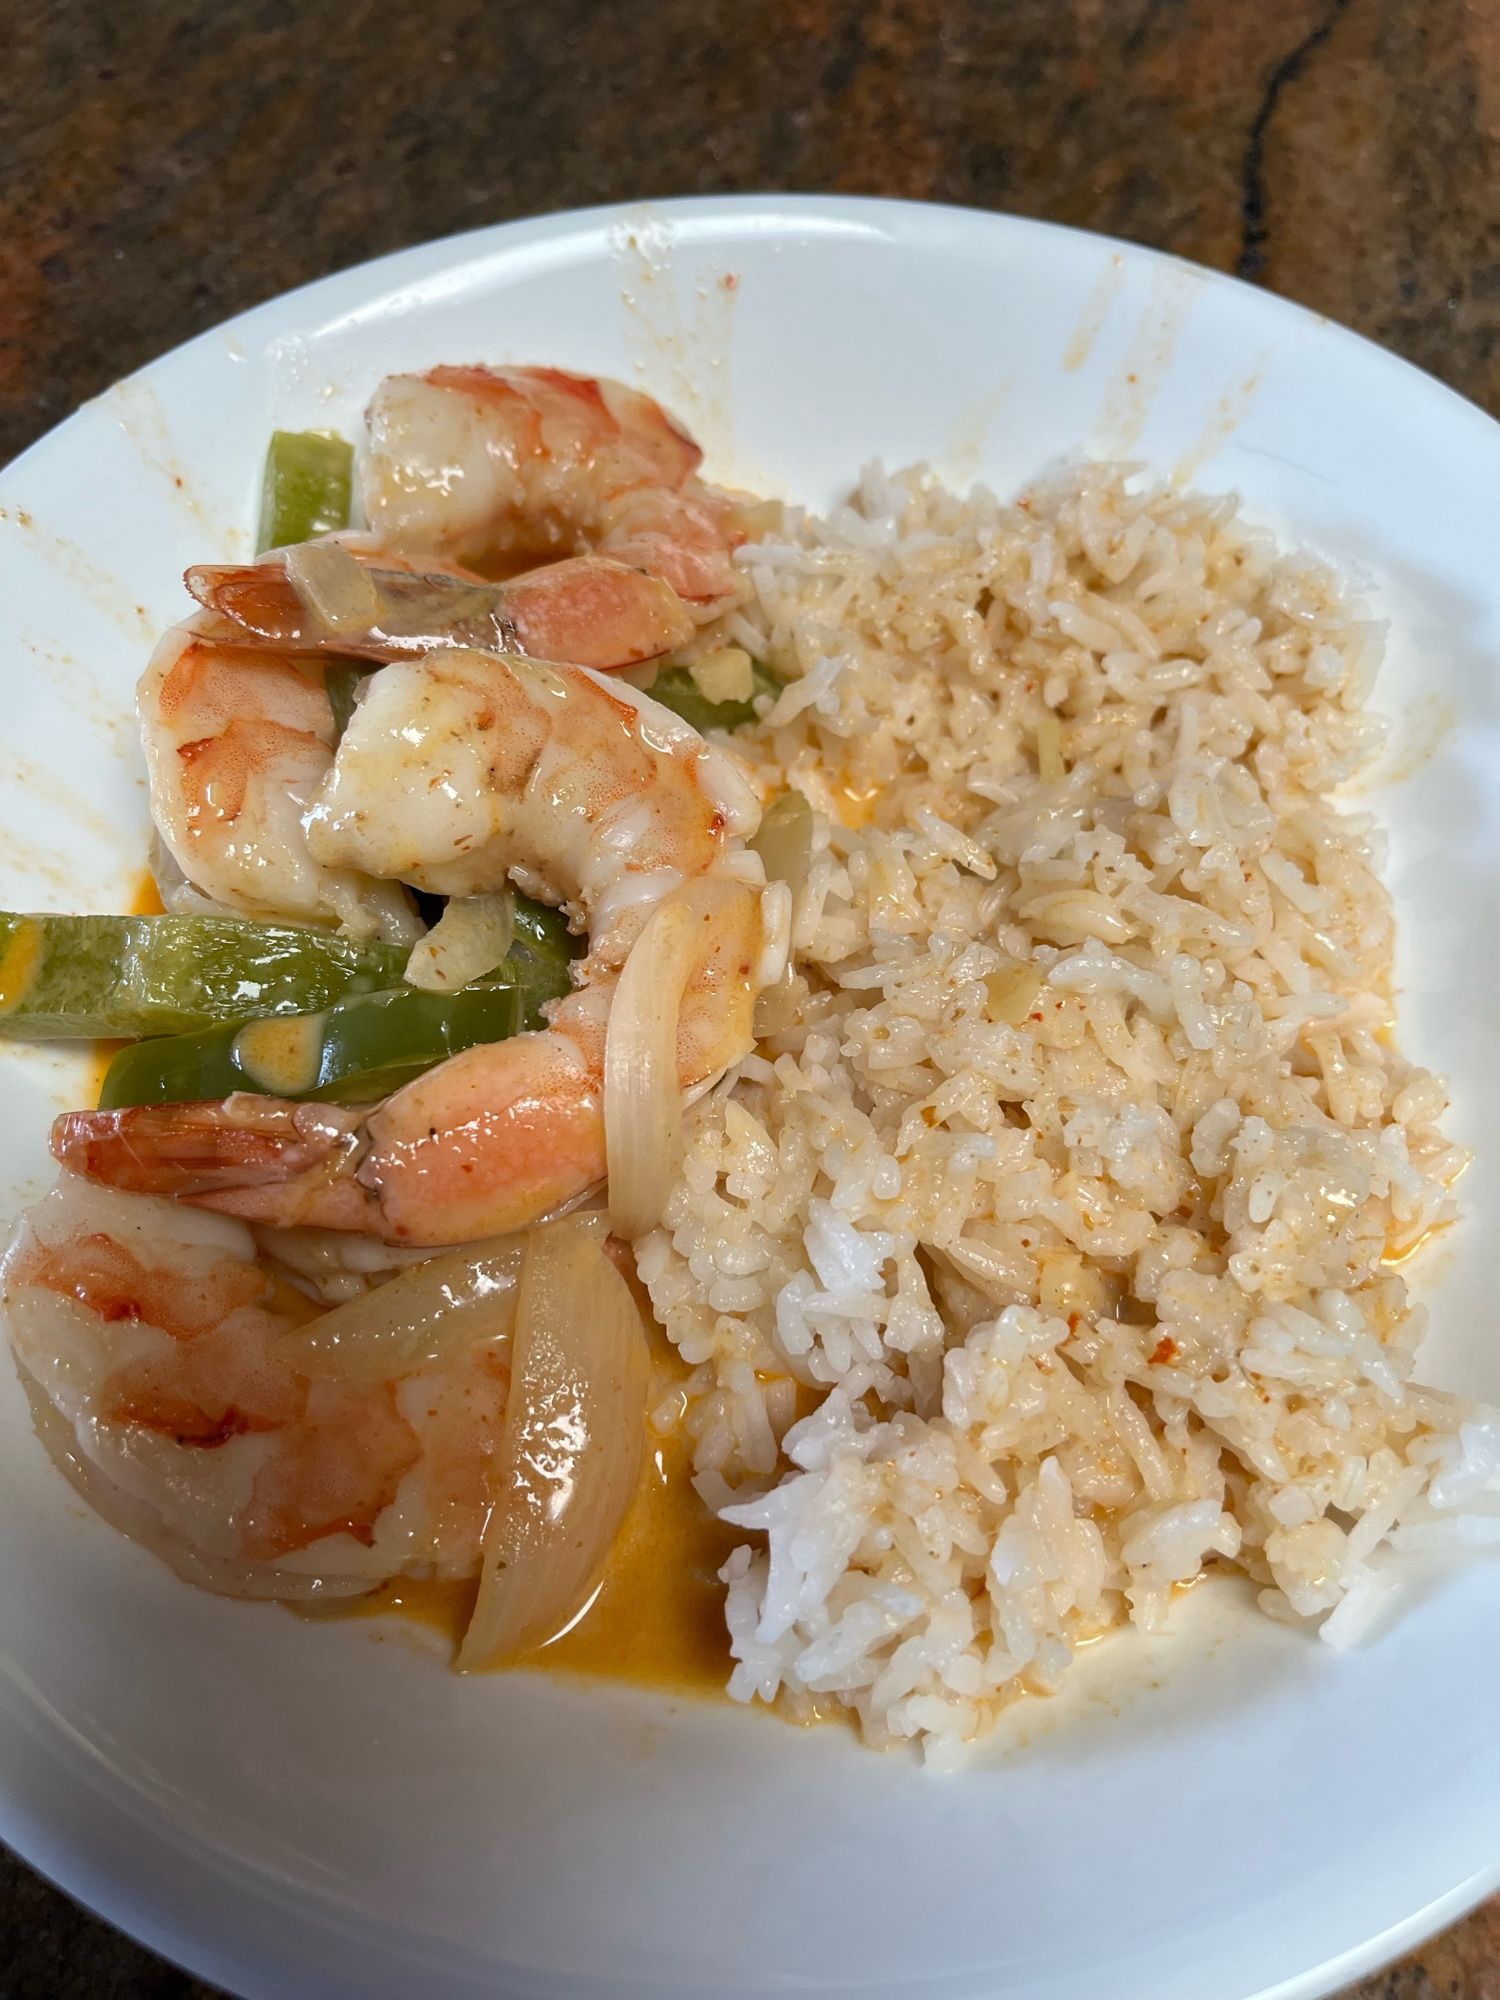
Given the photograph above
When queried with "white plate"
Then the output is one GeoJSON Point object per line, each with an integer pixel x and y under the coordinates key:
{"type": "Point", "coordinates": [293, 1809]}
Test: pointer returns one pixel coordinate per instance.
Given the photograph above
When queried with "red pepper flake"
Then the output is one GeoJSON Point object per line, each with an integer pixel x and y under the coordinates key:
{"type": "Point", "coordinates": [1164, 1349]}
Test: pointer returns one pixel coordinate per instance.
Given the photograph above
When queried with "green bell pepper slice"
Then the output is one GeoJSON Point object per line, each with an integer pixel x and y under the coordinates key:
{"type": "Point", "coordinates": [306, 487]}
{"type": "Point", "coordinates": [342, 680]}
{"type": "Point", "coordinates": [66, 978]}
{"type": "Point", "coordinates": [537, 964]}
{"type": "Point", "coordinates": [354, 1052]}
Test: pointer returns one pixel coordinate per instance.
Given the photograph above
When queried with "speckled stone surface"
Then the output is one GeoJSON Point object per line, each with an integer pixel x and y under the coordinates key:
{"type": "Point", "coordinates": [164, 165]}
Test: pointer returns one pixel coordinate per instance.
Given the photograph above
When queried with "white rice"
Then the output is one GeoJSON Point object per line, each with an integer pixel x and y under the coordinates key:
{"type": "Point", "coordinates": [1003, 1330]}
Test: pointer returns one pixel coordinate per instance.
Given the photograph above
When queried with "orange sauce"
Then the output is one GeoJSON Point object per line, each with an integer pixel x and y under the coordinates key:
{"type": "Point", "coordinates": [18, 964]}
{"type": "Point", "coordinates": [658, 1618]}
{"type": "Point", "coordinates": [442, 1607]}
{"type": "Point", "coordinates": [1396, 1258]}
{"type": "Point", "coordinates": [144, 902]}
{"type": "Point", "coordinates": [101, 1055]}
{"type": "Point", "coordinates": [857, 803]}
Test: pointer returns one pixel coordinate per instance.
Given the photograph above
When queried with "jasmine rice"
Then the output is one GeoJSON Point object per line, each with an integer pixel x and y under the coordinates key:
{"type": "Point", "coordinates": [1041, 1257]}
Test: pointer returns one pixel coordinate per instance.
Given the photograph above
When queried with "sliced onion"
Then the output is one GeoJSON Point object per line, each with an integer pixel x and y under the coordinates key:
{"type": "Point", "coordinates": [1050, 763]}
{"type": "Point", "coordinates": [332, 585]}
{"type": "Point", "coordinates": [778, 1006]}
{"type": "Point", "coordinates": [642, 1093]}
{"type": "Point", "coordinates": [726, 675]}
{"type": "Point", "coordinates": [784, 841]}
{"type": "Point", "coordinates": [571, 1451]}
{"type": "Point", "coordinates": [330, 1265]}
{"type": "Point", "coordinates": [1011, 992]}
{"type": "Point", "coordinates": [458, 1298]}
{"type": "Point", "coordinates": [468, 940]}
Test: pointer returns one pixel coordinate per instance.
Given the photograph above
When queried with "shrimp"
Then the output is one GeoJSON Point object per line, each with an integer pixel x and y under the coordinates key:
{"type": "Point", "coordinates": [239, 731]}
{"type": "Point", "coordinates": [237, 741]}
{"type": "Point", "coordinates": [455, 774]}
{"type": "Point", "coordinates": [587, 610]}
{"type": "Point", "coordinates": [501, 466]}
{"type": "Point", "coordinates": [161, 1359]}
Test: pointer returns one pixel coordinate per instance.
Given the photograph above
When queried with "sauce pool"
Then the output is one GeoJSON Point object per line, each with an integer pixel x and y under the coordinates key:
{"type": "Point", "coordinates": [145, 902]}
{"type": "Point", "coordinates": [657, 1620]}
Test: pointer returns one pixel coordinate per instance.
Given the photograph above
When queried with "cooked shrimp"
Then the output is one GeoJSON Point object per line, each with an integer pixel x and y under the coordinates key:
{"type": "Point", "coordinates": [454, 775]}
{"type": "Point", "coordinates": [504, 466]}
{"type": "Point", "coordinates": [588, 610]}
{"type": "Point", "coordinates": [155, 1349]}
{"type": "Point", "coordinates": [237, 741]}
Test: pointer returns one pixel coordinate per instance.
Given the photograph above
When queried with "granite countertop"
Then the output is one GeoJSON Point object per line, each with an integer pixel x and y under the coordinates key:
{"type": "Point", "coordinates": [167, 165]}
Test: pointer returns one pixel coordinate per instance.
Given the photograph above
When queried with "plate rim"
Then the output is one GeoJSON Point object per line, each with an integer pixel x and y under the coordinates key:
{"type": "Point", "coordinates": [460, 246]}
{"type": "Point", "coordinates": [83, 1872]}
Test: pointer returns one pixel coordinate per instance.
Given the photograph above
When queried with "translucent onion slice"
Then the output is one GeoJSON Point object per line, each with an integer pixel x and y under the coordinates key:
{"type": "Point", "coordinates": [642, 1094]}
{"type": "Point", "coordinates": [1011, 992]}
{"type": "Point", "coordinates": [468, 940]}
{"type": "Point", "coordinates": [778, 1006]}
{"type": "Point", "coordinates": [454, 1299]}
{"type": "Point", "coordinates": [332, 585]}
{"type": "Point", "coordinates": [1050, 763]}
{"type": "Point", "coordinates": [784, 841]}
{"type": "Point", "coordinates": [571, 1451]}
{"type": "Point", "coordinates": [726, 675]}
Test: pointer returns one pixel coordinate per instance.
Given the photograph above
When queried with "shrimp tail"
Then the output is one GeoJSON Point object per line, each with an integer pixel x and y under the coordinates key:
{"type": "Point", "coordinates": [406, 613]}
{"type": "Point", "coordinates": [485, 1143]}
{"type": "Point", "coordinates": [588, 610]}
{"type": "Point", "coordinates": [258, 599]}
{"type": "Point", "coordinates": [255, 1157]}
